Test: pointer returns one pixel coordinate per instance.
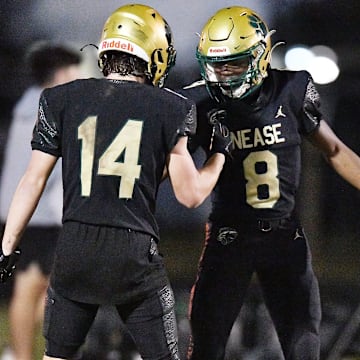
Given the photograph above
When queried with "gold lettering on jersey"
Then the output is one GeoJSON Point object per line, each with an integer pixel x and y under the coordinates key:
{"type": "Point", "coordinates": [252, 138]}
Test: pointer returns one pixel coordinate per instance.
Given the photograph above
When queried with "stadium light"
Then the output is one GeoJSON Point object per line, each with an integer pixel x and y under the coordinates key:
{"type": "Point", "coordinates": [320, 61]}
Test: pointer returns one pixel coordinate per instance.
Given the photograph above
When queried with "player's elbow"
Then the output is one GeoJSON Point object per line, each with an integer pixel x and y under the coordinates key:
{"type": "Point", "coordinates": [190, 199]}
{"type": "Point", "coordinates": [334, 154]}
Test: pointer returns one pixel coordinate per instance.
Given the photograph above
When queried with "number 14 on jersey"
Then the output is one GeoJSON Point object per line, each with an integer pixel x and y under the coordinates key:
{"type": "Point", "coordinates": [126, 141]}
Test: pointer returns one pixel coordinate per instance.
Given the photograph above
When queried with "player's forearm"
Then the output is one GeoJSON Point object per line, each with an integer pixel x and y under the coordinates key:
{"type": "Point", "coordinates": [197, 185]}
{"type": "Point", "coordinates": [21, 209]}
{"type": "Point", "coordinates": [343, 160]}
{"type": "Point", "coordinates": [347, 164]}
{"type": "Point", "coordinates": [209, 174]}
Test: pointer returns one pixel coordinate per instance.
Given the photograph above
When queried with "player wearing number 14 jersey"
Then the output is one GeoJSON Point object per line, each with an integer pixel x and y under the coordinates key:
{"type": "Point", "coordinates": [116, 135]}
{"type": "Point", "coordinates": [253, 227]}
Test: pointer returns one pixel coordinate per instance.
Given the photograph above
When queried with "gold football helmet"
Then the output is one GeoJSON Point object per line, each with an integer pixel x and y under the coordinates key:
{"type": "Point", "coordinates": [235, 36]}
{"type": "Point", "coordinates": [141, 31]}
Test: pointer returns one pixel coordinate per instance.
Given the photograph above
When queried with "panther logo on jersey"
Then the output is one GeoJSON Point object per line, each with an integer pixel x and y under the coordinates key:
{"type": "Point", "coordinates": [227, 235]}
{"type": "Point", "coordinates": [216, 115]}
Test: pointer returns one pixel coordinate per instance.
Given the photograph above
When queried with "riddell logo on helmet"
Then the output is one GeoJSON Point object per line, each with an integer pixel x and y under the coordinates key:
{"type": "Point", "coordinates": [118, 45]}
{"type": "Point", "coordinates": [213, 51]}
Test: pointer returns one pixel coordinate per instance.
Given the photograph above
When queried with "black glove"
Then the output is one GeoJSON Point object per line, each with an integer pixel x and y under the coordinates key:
{"type": "Point", "coordinates": [7, 264]}
{"type": "Point", "coordinates": [220, 137]}
{"type": "Point", "coordinates": [220, 140]}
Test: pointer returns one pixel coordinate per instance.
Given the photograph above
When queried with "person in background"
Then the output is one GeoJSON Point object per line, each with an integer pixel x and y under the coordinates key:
{"type": "Point", "coordinates": [49, 64]}
{"type": "Point", "coordinates": [115, 135]}
{"type": "Point", "coordinates": [253, 226]}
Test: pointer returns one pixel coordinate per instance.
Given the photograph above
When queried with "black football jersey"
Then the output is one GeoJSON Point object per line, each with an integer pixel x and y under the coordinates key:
{"type": "Point", "coordinates": [262, 177]}
{"type": "Point", "coordinates": [113, 137]}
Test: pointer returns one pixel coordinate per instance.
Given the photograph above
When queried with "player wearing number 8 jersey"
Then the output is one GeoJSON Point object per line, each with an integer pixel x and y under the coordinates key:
{"type": "Point", "coordinates": [116, 135]}
{"type": "Point", "coordinates": [253, 227]}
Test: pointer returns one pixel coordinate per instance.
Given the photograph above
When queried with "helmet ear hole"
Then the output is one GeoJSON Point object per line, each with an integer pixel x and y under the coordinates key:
{"type": "Point", "coordinates": [153, 67]}
{"type": "Point", "coordinates": [159, 57]}
{"type": "Point", "coordinates": [156, 58]}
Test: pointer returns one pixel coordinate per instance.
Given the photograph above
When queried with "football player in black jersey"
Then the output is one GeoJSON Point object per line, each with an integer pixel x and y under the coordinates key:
{"type": "Point", "coordinates": [252, 226]}
{"type": "Point", "coordinates": [116, 135]}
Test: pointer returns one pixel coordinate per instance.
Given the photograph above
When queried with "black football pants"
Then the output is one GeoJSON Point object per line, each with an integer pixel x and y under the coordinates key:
{"type": "Point", "coordinates": [282, 260]}
{"type": "Point", "coordinates": [151, 323]}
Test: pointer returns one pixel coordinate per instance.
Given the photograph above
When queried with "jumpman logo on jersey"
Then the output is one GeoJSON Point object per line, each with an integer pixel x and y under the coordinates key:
{"type": "Point", "coordinates": [297, 235]}
{"type": "Point", "coordinates": [280, 112]}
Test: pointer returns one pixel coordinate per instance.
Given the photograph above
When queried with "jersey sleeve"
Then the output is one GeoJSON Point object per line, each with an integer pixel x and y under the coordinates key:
{"type": "Point", "coordinates": [46, 134]}
{"type": "Point", "coordinates": [311, 113]}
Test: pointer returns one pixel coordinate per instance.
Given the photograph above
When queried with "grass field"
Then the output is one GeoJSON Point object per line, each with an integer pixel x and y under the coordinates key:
{"type": "Point", "coordinates": [4, 334]}
{"type": "Point", "coordinates": [4, 327]}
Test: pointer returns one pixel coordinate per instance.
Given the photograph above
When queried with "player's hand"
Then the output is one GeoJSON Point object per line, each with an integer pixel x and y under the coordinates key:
{"type": "Point", "coordinates": [220, 140]}
{"type": "Point", "coordinates": [8, 264]}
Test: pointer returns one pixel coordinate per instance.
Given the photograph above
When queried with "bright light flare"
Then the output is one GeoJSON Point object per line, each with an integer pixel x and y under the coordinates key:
{"type": "Point", "coordinates": [320, 61]}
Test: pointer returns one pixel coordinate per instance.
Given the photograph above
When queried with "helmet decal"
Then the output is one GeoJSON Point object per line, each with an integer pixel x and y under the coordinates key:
{"type": "Point", "coordinates": [123, 45]}
{"type": "Point", "coordinates": [257, 23]}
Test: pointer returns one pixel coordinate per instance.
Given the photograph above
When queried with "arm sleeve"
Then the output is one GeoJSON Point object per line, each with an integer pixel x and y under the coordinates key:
{"type": "Point", "coordinates": [311, 114]}
{"type": "Point", "coordinates": [46, 134]}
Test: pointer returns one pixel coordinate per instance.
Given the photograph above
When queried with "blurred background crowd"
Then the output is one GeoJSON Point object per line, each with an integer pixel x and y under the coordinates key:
{"type": "Point", "coordinates": [320, 36]}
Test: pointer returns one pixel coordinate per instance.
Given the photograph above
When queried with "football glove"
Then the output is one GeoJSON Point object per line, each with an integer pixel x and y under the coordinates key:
{"type": "Point", "coordinates": [220, 140]}
{"type": "Point", "coordinates": [8, 264]}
